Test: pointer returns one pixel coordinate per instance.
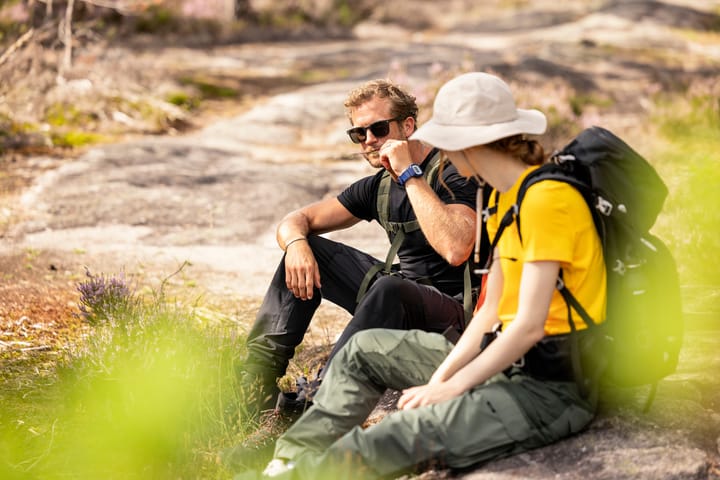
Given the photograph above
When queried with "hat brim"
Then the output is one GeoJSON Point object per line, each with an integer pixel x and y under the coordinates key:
{"type": "Point", "coordinates": [458, 137]}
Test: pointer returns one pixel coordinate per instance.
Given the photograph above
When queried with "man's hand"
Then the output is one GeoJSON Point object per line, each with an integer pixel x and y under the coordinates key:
{"type": "Point", "coordinates": [302, 274]}
{"type": "Point", "coordinates": [395, 156]}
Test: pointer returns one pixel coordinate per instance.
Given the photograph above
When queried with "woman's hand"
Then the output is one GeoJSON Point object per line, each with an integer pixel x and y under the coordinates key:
{"type": "Point", "coordinates": [428, 394]}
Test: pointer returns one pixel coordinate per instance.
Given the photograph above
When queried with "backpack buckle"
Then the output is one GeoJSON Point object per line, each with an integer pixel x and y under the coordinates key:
{"type": "Point", "coordinates": [485, 215]}
{"type": "Point", "coordinates": [560, 284]}
{"type": "Point", "coordinates": [559, 158]}
{"type": "Point", "coordinates": [604, 206]}
{"type": "Point", "coordinates": [619, 267]}
{"type": "Point", "coordinates": [394, 227]}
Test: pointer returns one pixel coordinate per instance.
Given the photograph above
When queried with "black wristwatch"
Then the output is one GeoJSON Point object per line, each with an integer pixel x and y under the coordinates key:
{"type": "Point", "coordinates": [413, 170]}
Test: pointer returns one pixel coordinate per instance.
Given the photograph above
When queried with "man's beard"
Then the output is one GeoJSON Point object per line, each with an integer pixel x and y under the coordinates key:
{"type": "Point", "coordinates": [373, 156]}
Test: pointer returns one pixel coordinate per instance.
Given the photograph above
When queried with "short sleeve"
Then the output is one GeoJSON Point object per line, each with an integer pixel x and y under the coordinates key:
{"type": "Point", "coordinates": [549, 217]}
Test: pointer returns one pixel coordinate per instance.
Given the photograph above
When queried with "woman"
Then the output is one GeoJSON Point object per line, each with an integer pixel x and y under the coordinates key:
{"type": "Point", "coordinates": [461, 404]}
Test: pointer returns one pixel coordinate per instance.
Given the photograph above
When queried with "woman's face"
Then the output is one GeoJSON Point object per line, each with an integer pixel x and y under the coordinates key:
{"type": "Point", "coordinates": [461, 161]}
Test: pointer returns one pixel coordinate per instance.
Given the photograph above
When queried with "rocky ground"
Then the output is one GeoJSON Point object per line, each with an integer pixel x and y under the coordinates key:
{"type": "Point", "coordinates": [211, 196]}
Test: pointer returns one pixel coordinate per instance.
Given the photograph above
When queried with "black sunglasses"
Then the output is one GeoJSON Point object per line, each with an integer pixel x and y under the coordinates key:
{"type": "Point", "coordinates": [379, 129]}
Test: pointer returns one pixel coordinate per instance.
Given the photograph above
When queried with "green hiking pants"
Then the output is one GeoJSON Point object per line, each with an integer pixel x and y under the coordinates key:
{"type": "Point", "coordinates": [503, 416]}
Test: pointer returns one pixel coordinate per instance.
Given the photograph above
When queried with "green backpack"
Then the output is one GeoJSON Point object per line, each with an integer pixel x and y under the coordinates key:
{"type": "Point", "coordinates": [401, 229]}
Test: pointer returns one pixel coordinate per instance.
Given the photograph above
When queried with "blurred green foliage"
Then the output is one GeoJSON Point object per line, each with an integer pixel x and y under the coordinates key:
{"type": "Point", "coordinates": [209, 89]}
{"type": "Point", "coordinates": [75, 138]}
{"type": "Point", "coordinates": [183, 100]}
{"type": "Point", "coordinates": [64, 114]}
{"type": "Point", "coordinates": [157, 19]}
{"type": "Point", "coordinates": [150, 393]}
{"type": "Point", "coordinates": [579, 102]}
{"type": "Point", "coordinates": [687, 153]}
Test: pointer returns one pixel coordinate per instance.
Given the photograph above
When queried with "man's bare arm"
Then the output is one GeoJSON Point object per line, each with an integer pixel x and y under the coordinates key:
{"type": "Point", "coordinates": [320, 217]}
{"type": "Point", "coordinates": [449, 228]}
{"type": "Point", "coordinates": [302, 274]}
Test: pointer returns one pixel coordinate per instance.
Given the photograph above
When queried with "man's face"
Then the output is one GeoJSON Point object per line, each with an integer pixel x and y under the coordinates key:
{"type": "Point", "coordinates": [373, 111]}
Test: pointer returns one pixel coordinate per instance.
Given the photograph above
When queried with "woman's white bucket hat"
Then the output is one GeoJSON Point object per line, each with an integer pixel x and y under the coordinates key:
{"type": "Point", "coordinates": [476, 109]}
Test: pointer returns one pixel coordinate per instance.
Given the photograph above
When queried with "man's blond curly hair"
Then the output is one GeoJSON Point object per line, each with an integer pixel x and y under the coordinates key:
{"type": "Point", "coordinates": [403, 104]}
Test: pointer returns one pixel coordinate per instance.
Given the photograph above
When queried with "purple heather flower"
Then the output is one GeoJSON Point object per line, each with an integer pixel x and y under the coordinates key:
{"type": "Point", "coordinates": [101, 297]}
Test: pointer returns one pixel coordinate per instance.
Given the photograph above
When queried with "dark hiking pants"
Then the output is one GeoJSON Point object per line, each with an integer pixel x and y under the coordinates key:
{"type": "Point", "coordinates": [505, 415]}
{"type": "Point", "coordinates": [390, 302]}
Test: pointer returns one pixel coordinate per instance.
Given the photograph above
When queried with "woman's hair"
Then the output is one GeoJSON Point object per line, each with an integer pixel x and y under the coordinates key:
{"type": "Point", "coordinates": [403, 104]}
{"type": "Point", "coordinates": [520, 147]}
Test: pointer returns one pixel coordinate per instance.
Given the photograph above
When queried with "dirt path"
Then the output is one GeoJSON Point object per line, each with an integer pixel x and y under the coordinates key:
{"type": "Point", "coordinates": [213, 197]}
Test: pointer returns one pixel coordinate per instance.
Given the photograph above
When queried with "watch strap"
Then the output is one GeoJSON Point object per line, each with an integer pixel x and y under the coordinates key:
{"type": "Point", "coordinates": [413, 170]}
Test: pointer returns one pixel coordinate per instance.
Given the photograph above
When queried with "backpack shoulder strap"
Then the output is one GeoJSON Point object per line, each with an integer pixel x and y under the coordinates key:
{"type": "Point", "coordinates": [399, 229]}
{"type": "Point", "coordinates": [507, 220]}
{"type": "Point", "coordinates": [490, 210]}
{"type": "Point", "coordinates": [431, 174]}
{"type": "Point", "coordinates": [383, 200]}
{"type": "Point", "coordinates": [433, 168]}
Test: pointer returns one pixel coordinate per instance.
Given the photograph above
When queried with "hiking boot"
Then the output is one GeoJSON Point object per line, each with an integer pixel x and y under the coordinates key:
{"type": "Point", "coordinates": [260, 444]}
{"type": "Point", "coordinates": [295, 403]}
{"type": "Point", "coordinates": [259, 393]}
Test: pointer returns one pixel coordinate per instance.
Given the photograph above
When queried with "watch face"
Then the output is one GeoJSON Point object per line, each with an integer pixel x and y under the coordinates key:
{"type": "Point", "coordinates": [416, 170]}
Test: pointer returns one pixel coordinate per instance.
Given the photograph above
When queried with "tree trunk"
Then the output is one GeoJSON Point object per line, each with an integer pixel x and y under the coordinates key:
{"type": "Point", "coordinates": [67, 38]}
{"type": "Point", "coordinates": [32, 13]}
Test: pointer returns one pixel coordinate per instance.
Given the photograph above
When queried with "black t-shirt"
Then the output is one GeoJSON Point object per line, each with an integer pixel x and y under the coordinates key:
{"type": "Point", "coordinates": [418, 260]}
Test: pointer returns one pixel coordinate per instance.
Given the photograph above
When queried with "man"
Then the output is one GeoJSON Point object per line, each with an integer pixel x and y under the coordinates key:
{"type": "Point", "coordinates": [421, 292]}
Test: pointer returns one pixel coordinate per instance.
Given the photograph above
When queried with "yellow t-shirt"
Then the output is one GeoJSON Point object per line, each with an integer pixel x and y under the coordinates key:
{"type": "Point", "coordinates": [556, 225]}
